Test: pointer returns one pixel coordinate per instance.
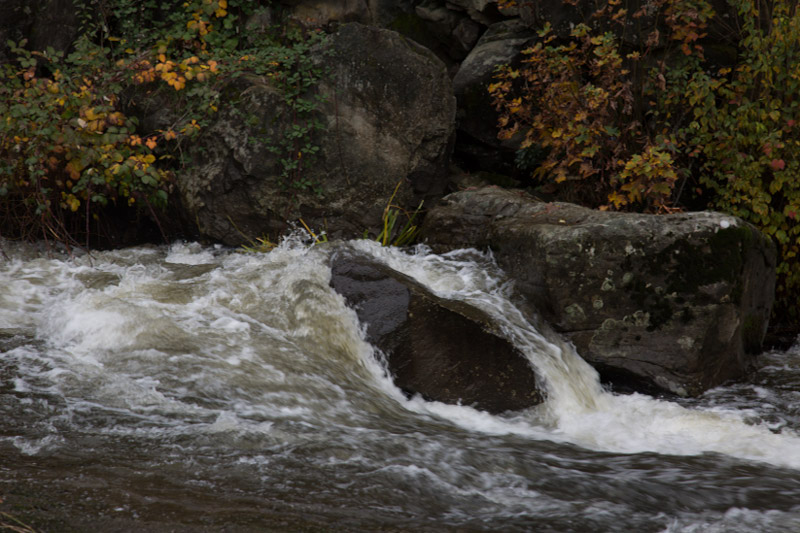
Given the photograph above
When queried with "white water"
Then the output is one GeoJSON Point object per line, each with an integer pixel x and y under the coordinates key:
{"type": "Point", "coordinates": [578, 410]}
{"type": "Point", "coordinates": [206, 351]}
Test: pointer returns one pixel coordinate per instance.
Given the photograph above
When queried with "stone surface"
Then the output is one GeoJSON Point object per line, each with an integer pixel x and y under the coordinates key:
{"type": "Point", "coordinates": [476, 118]}
{"type": "Point", "coordinates": [389, 118]}
{"type": "Point", "coordinates": [444, 350]}
{"type": "Point", "coordinates": [679, 301]}
{"type": "Point", "coordinates": [455, 32]}
{"type": "Point", "coordinates": [322, 12]}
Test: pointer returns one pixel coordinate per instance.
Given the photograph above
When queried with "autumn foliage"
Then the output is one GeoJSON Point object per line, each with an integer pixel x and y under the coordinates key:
{"type": "Point", "coordinates": [69, 149]}
{"type": "Point", "coordinates": [662, 127]}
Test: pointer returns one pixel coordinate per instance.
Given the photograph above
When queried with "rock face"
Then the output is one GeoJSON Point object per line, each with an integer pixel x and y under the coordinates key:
{"type": "Point", "coordinates": [444, 350]}
{"type": "Point", "coordinates": [389, 118]}
{"type": "Point", "coordinates": [679, 301]}
{"type": "Point", "coordinates": [501, 44]}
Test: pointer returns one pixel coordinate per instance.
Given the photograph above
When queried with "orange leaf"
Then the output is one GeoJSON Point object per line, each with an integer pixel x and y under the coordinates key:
{"type": "Point", "coordinates": [777, 164]}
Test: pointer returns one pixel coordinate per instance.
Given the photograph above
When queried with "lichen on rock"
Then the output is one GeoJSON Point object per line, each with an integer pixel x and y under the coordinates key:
{"type": "Point", "coordinates": [680, 301]}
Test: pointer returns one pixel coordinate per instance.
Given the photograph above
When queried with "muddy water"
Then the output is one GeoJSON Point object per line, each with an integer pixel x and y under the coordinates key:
{"type": "Point", "coordinates": [186, 388]}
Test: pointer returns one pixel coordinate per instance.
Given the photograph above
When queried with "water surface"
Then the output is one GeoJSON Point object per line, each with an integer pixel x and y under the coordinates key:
{"type": "Point", "coordinates": [186, 388]}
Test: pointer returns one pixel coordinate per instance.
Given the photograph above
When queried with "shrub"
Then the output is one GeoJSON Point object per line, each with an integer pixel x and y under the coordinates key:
{"type": "Point", "coordinates": [69, 152]}
{"type": "Point", "coordinates": [728, 136]}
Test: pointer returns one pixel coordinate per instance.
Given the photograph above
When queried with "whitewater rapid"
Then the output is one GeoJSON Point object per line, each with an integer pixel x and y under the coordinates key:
{"type": "Point", "coordinates": [150, 332]}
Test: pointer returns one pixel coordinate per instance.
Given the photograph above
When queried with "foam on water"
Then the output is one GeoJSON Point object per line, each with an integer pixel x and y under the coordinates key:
{"type": "Point", "coordinates": [578, 410]}
{"type": "Point", "coordinates": [191, 339]}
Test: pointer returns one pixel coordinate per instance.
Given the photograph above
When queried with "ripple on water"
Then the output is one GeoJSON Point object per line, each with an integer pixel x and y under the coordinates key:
{"type": "Point", "coordinates": [226, 388]}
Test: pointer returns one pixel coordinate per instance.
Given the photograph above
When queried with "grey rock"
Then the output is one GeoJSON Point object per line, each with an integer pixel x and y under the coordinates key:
{"type": "Point", "coordinates": [677, 301]}
{"type": "Point", "coordinates": [484, 12]}
{"type": "Point", "coordinates": [502, 43]}
{"type": "Point", "coordinates": [441, 349]}
{"type": "Point", "coordinates": [389, 118]}
{"type": "Point", "coordinates": [322, 12]}
{"type": "Point", "coordinates": [454, 32]}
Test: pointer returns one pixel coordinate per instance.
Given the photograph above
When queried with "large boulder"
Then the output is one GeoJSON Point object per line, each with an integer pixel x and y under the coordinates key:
{"type": "Point", "coordinates": [389, 115]}
{"type": "Point", "coordinates": [444, 350]}
{"type": "Point", "coordinates": [678, 301]}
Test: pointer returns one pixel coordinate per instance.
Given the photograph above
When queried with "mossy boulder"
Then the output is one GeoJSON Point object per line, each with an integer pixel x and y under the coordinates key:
{"type": "Point", "coordinates": [677, 301]}
{"type": "Point", "coordinates": [388, 118]}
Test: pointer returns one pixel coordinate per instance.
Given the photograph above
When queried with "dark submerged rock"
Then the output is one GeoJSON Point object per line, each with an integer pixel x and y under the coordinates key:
{"type": "Point", "coordinates": [680, 301]}
{"type": "Point", "coordinates": [442, 349]}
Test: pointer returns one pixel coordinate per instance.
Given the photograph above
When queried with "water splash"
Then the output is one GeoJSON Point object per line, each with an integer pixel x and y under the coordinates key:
{"type": "Point", "coordinates": [189, 337]}
{"type": "Point", "coordinates": [578, 410]}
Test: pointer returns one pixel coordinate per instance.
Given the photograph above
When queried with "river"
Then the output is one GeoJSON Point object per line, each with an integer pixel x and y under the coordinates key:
{"type": "Point", "coordinates": [190, 388]}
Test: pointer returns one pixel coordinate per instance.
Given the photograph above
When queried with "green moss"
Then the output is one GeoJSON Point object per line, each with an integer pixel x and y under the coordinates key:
{"type": "Point", "coordinates": [411, 26]}
{"type": "Point", "coordinates": [408, 24]}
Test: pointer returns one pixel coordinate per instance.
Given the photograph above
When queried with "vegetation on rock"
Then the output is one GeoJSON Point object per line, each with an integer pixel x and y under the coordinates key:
{"type": "Point", "coordinates": [665, 126]}
{"type": "Point", "coordinates": [71, 149]}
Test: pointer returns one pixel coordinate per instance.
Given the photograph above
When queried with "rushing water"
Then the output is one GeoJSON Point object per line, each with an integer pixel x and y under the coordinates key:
{"type": "Point", "coordinates": [186, 388]}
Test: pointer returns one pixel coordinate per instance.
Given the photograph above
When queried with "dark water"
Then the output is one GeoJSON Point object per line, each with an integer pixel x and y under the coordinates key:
{"type": "Point", "coordinates": [197, 389]}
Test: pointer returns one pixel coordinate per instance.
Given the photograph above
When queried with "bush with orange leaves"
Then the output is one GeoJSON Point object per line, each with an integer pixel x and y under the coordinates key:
{"type": "Point", "coordinates": [69, 153]}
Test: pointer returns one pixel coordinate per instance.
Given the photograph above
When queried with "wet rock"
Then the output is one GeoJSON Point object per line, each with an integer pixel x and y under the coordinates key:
{"type": "Point", "coordinates": [442, 349]}
{"type": "Point", "coordinates": [679, 301]}
{"type": "Point", "coordinates": [389, 118]}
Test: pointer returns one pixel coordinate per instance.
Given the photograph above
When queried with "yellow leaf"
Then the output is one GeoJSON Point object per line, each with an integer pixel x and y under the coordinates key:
{"type": "Point", "coordinates": [73, 202]}
{"type": "Point", "coordinates": [91, 115]}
